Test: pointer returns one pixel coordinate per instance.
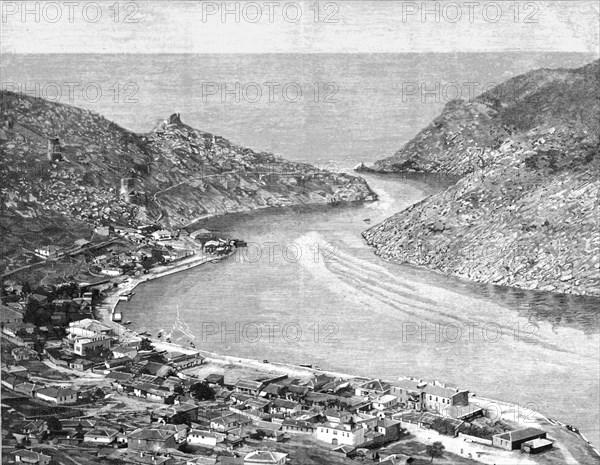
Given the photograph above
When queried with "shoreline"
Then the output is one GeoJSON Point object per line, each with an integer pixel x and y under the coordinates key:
{"type": "Point", "coordinates": [107, 306]}
{"type": "Point", "coordinates": [111, 301]}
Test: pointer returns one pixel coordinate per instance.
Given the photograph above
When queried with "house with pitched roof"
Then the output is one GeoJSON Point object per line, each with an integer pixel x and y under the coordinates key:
{"type": "Point", "coordinates": [151, 440]}
{"type": "Point", "coordinates": [88, 328]}
{"type": "Point", "coordinates": [152, 392]}
{"type": "Point", "coordinates": [340, 434]}
{"type": "Point", "coordinates": [57, 395]}
{"type": "Point", "coordinates": [215, 380]}
{"type": "Point", "coordinates": [31, 457]}
{"type": "Point", "coordinates": [372, 388]}
{"type": "Point", "coordinates": [249, 386]}
{"type": "Point", "coordinates": [298, 427]}
{"type": "Point", "coordinates": [229, 422]}
{"type": "Point", "coordinates": [265, 457]}
{"type": "Point", "coordinates": [86, 345]}
{"type": "Point", "coordinates": [197, 437]}
{"type": "Point", "coordinates": [29, 429]}
{"type": "Point", "coordinates": [287, 407]}
{"type": "Point", "coordinates": [421, 395]}
{"type": "Point", "coordinates": [439, 397]}
{"type": "Point", "coordinates": [101, 436]}
{"type": "Point", "coordinates": [10, 314]}
{"type": "Point", "coordinates": [384, 402]}
{"type": "Point", "coordinates": [512, 440]}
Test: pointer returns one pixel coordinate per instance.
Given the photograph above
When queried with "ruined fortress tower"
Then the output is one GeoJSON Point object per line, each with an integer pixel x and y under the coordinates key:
{"type": "Point", "coordinates": [126, 189]}
{"type": "Point", "coordinates": [54, 152]}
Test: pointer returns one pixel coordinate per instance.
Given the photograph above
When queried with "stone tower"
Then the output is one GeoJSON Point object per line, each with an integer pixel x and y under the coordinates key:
{"type": "Point", "coordinates": [54, 151]}
{"type": "Point", "coordinates": [175, 118]}
{"type": "Point", "coordinates": [125, 189]}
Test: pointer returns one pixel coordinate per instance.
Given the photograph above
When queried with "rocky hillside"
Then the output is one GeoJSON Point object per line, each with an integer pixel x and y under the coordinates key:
{"type": "Point", "coordinates": [525, 210]}
{"type": "Point", "coordinates": [106, 174]}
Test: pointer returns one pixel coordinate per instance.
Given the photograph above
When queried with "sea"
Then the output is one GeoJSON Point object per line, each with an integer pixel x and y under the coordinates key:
{"type": "Point", "coordinates": [307, 289]}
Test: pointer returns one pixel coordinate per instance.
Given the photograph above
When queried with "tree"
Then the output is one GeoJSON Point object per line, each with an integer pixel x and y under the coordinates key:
{"type": "Point", "coordinates": [202, 391]}
{"type": "Point", "coordinates": [442, 427]}
{"type": "Point", "coordinates": [145, 344]}
{"type": "Point", "coordinates": [435, 450]}
{"type": "Point", "coordinates": [178, 390]}
{"type": "Point", "coordinates": [53, 423]}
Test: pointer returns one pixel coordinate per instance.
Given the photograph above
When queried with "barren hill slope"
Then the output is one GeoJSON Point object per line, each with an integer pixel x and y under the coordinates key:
{"type": "Point", "coordinates": [173, 175]}
{"type": "Point", "coordinates": [525, 212]}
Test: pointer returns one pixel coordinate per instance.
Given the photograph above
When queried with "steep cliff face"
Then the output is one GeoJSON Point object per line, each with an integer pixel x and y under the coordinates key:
{"type": "Point", "coordinates": [173, 175]}
{"type": "Point", "coordinates": [201, 174]}
{"type": "Point", "coordinates": [461, 139]}
{"type": "Point", "coordinates": [525, 211]}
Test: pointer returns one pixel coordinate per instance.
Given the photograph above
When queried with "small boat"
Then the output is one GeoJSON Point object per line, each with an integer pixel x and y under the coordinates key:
{"type": "Point", "coordinates": [367, 220]}
{"type": "Point", "coordinates": [159, 335]}
{"type": "Point", "coordinates": [127, 323]}
{"type": "Point", "coordinates": [126, 297]}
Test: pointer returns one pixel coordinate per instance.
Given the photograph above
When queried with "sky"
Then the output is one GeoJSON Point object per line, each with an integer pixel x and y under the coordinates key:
{"type": "Point", "coordinates": [153, 26]}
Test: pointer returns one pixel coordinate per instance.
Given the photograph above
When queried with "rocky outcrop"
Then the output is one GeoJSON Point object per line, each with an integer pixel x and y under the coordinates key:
{"type": "Point", "coordinates": [525, 210]}
{"type": "Point", "coordinates": [173, 175]}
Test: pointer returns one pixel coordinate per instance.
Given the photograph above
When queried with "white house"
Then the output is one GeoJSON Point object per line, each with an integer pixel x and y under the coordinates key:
{"type": "Point", "coordinates": [265, 457]}
{"type": "Point", "coordinates": [101, 436]}
{"type": "Point", "coordinates": [340, 434]}
{"type": "Point", "coordinates": [29, 456]}
{"type": "Point", "coordinates": [47, 252]}
{"type": "Point", "coordinates": [161, 235]}
{"type": "Point", "coordinates": [57, 396]}
{"type": "Point", "coordinates": [198, 437]}
{"type": "Point", "coordinates": [112, 271]}
{"type": "Point", "coordinates": [84, 345]}
{"type": "Point", "coordinates": [438, 397]}
{"type": "Point", "coordinates": [88, 328]}
{"type": "Point", "coordinates": [384, 402]}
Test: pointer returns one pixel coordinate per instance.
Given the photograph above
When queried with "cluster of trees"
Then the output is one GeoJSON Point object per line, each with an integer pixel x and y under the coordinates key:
{"type": "Point", "coordinates": [443, 427]}
{"type": "Point", "coordinates": [202, 391]}
{"type": "Point", "coordinates": [484, 432]}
